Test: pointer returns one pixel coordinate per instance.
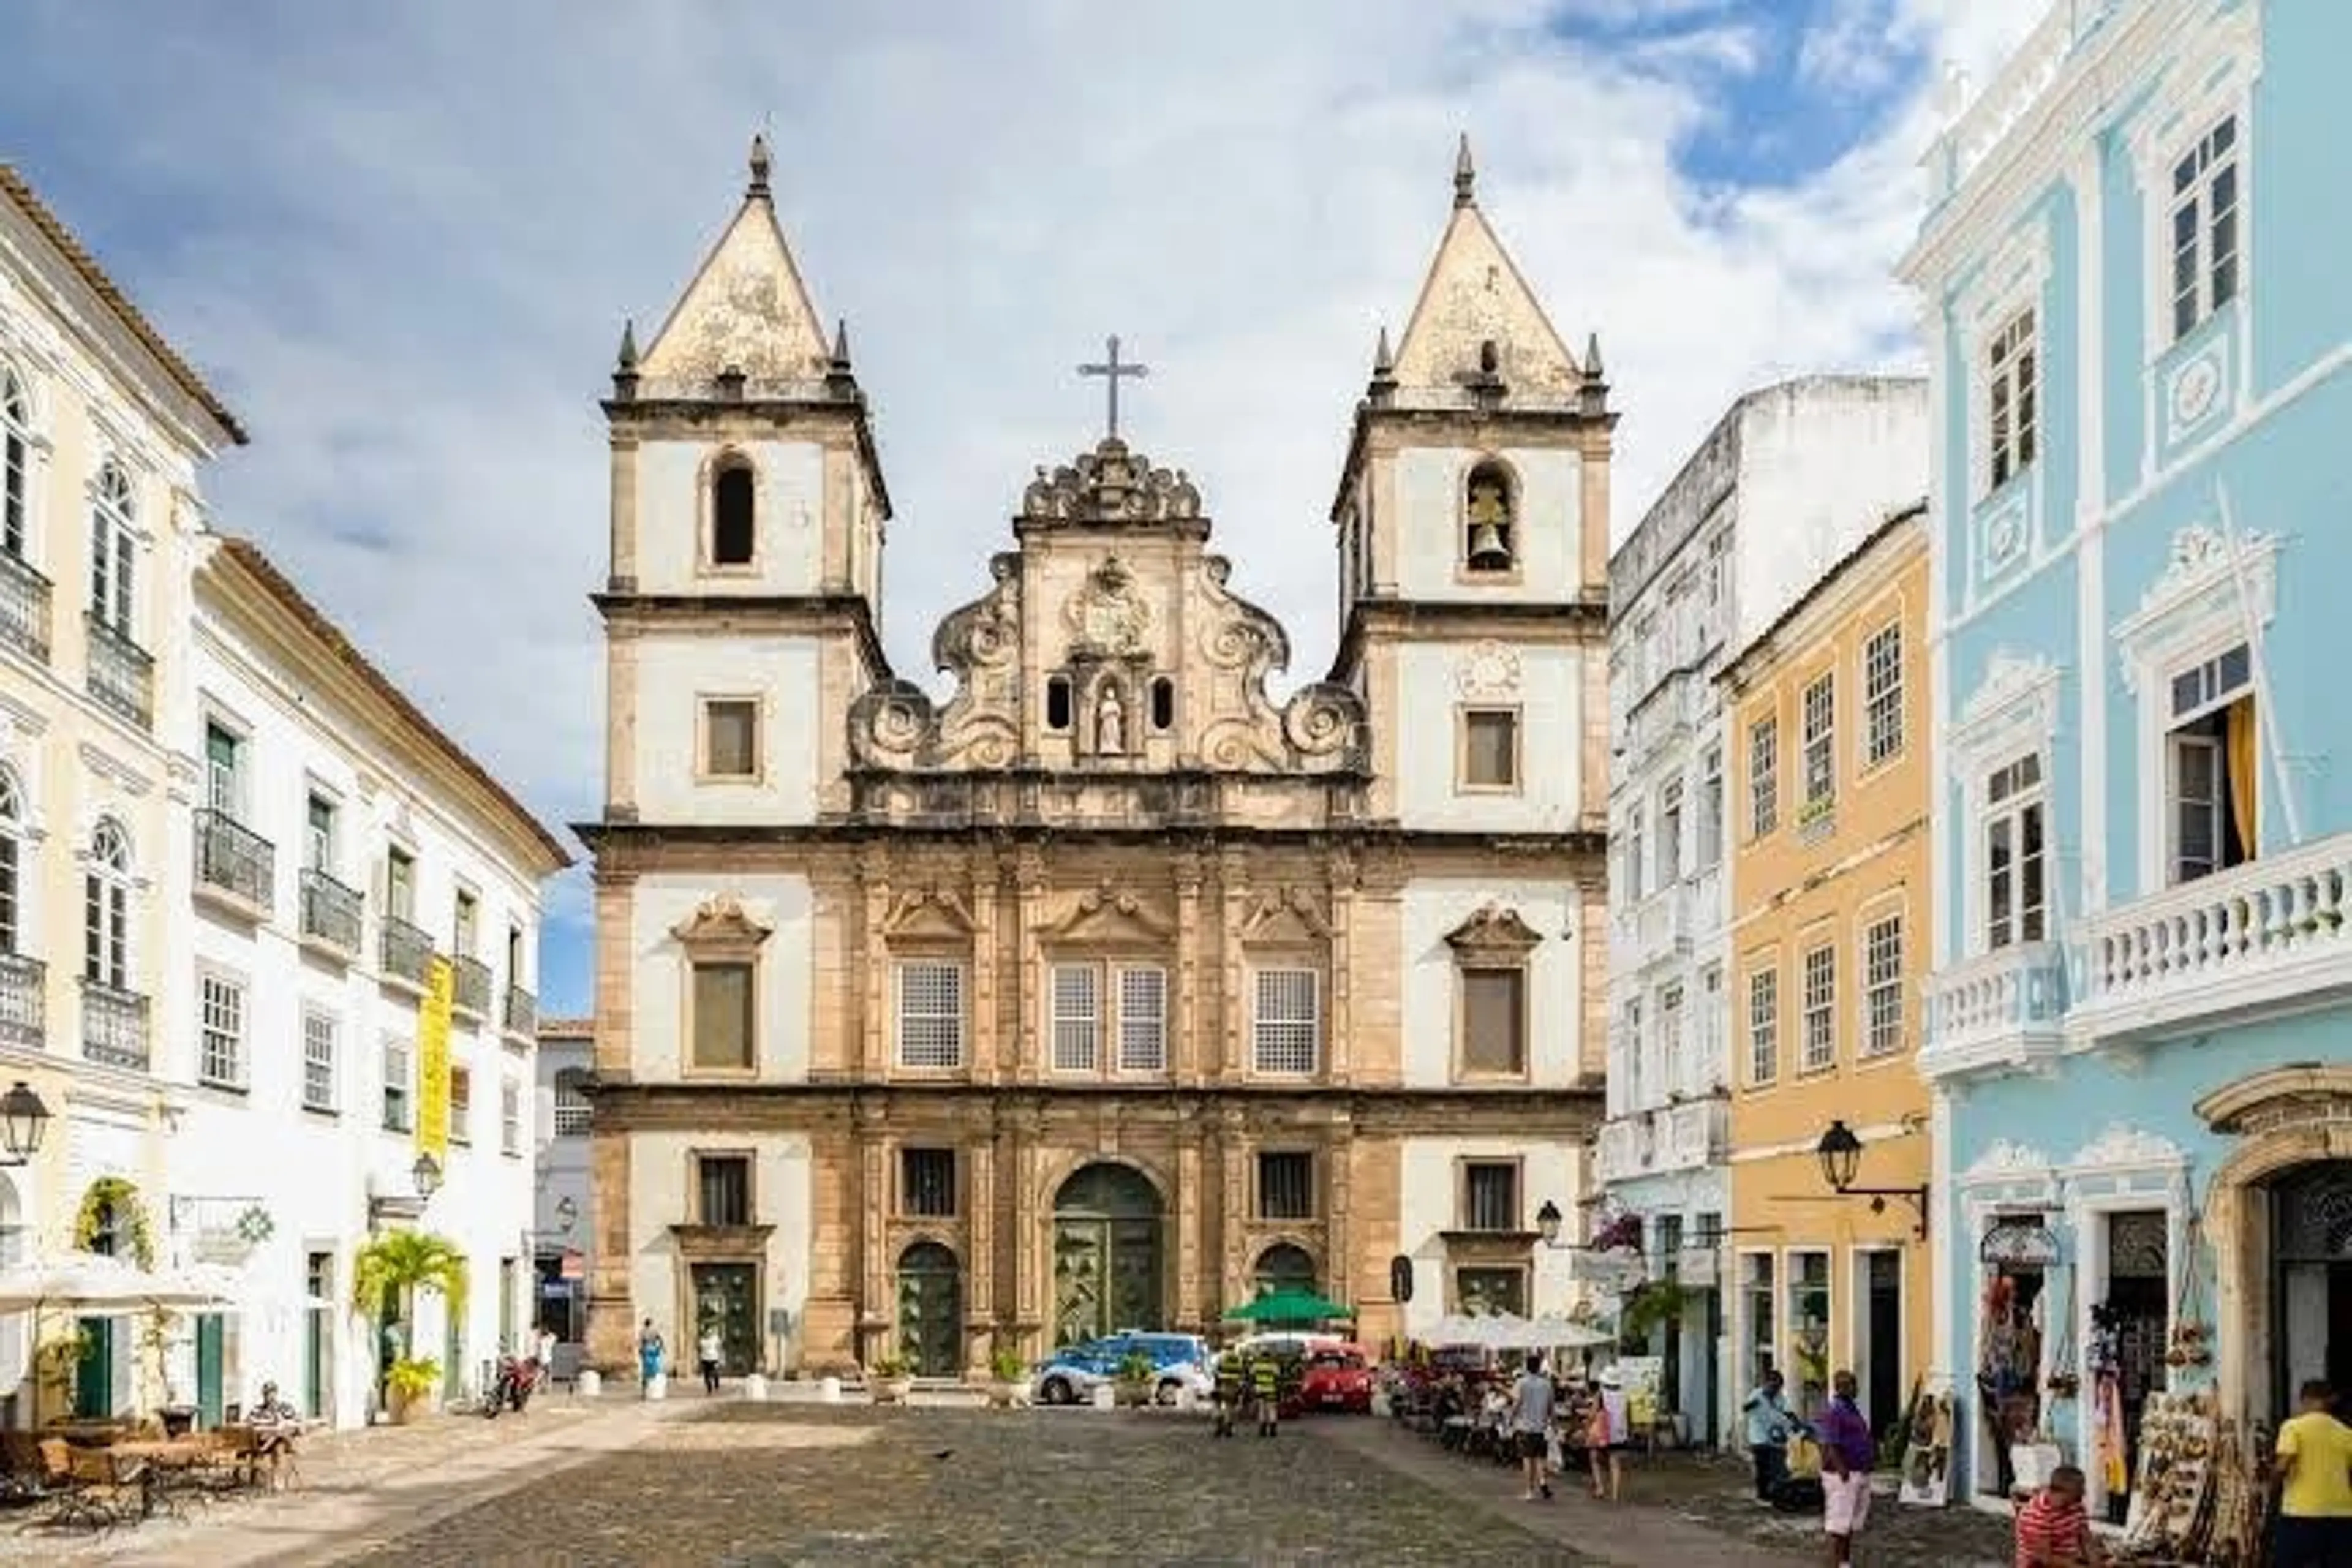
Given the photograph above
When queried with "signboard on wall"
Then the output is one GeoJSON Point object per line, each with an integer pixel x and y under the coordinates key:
{"type": "Point", "coordinates": [1643, 1374]}
{"type": "Point", "coordinates": [432, 1061]}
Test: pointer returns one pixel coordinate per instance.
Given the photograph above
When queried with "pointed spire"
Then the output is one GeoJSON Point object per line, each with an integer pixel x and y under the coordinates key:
{"type": "Point", "coordinates": [1465, 175]}
{"type": "Point", "coordinates": [841, 343]}
{"type": "Point", "coordinates": [1383, 369]}
{"type": "Point", "coordinates": [624, 364]}
{"type": "Point", "coordinates": [1593, 357]}
{"type": "Point", "coordinates": [1592, 394]}
{"type": "Point", "coordinates": [839, 379]}
{"type": "Point", "coordinates": [760, 165]}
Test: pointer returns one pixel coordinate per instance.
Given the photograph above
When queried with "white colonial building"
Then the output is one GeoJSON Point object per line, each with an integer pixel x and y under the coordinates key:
{"type": "Point", "coordinates": [339, 846]}
{"type": "Point", "coordinates": [1793, 478]}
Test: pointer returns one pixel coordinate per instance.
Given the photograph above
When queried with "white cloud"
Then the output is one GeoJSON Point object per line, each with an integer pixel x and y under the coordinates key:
{"type": "Point", "coordinates": [409, 250]}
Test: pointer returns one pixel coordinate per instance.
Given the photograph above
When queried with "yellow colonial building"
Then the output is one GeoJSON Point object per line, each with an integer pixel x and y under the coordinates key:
{"type": "Point", "coordinates": [1830, 911]}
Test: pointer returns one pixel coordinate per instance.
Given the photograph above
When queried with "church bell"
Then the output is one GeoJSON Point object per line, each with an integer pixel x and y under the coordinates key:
{"type": "Point", "coordinates": [1487, 551]}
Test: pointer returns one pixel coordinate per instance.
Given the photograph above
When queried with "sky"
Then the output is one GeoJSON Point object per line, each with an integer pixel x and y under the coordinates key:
{"type": "Point", "coordinates": [401, 241]}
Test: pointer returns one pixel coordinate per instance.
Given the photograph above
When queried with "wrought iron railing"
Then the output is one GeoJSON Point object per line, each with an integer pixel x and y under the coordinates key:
{"type": "Point", "coordinates": [471, 985]}
{"type": "Point", "coordinates": [24, 607]}
{"type": "Point", "coordinates": [330, 912]}
{"type": "Point", "coordinates": [24, 999]}
{"type": "Point", "coordinates": [407, 950]}
{"type": "Point", "coordinates": [113, 1027]}
{"type": "Point", "coordinates": [234, 859]}
{"type": "Point", "coordinates": [523, 1011]}
{"type": "Point", "coordinates": [121, 673]}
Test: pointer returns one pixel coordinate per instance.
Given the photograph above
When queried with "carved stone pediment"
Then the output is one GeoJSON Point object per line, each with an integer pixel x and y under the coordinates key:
{"type": "Point", "coordinates": [937, 914]}
{"type": "Point", "coordinates": [1287, 916]}
{"type": "Point", "coordinates": [1111, 484]}
{"type": "Point", "coordinates": [1110, 913]}
{"type": "Point", "coordinates": [1108, 615]}
{"type": "Point", "coordinates": [721, 924]}
{"type": "Point", "coordinates": [1494, 932]}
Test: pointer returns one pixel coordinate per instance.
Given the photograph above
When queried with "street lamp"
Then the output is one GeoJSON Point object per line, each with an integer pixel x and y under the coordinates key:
{"type": "Point", "coordinates": [23, 1121]}
{"type": "Point", "coordinates": [1548, 1223]}
{"type": "Point", "coordinates": [427, 1176]}
{"type": "Point", "coordinates": [567, 1214]}
{"type": "Point", "coordinates": [1840, 1152]}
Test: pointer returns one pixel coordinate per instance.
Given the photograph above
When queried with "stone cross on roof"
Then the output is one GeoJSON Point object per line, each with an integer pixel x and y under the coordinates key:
{"type": "Point", "coordinates": [1111, 370]}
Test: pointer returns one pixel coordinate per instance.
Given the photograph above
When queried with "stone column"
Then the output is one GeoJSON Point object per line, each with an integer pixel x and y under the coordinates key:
{"type": "Point", "coordinates": [1028, 1224]}
{"type": "Point", "coordinates": [621, 722]}
{"type": "Point", "coordinates": [1189, 1305]}
{"type": "Point", "coordinates": [1232, 1022]}
{"type": "Point", "coordinates": [1339, 1025]}
{"type": "Point", "coordinates": [987, 1025]}
{"type": "Point", "coordinates": [875, 1321]}
{"type": "Point", "coordinates": [624, 472]}
{"type": "Point", "coordinates": [1186, 1054]}
{"type": "Point", "coordinates": [871, 962]}
{"type": "Point", "coordinates": [1340, 1234]}
{"type": "Point", "coordinates": [1029, 879]}
{"type": "Point", "coordinates": [612, 1304]}
{"type": "Point", "coordinates": [1236, 1148]}
{"type": "Point", "coordinates": [616, 981]}
{"type": "Point", "coordinates": [982, 1302]}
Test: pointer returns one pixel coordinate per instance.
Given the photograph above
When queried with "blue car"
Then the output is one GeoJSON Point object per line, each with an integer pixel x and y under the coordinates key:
{"type": "Point", "coordinates": [1177, 1362]}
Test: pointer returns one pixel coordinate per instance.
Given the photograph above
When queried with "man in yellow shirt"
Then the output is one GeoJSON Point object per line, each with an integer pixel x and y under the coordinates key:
{"type": "Point", "coordinates": [2315, 1451]}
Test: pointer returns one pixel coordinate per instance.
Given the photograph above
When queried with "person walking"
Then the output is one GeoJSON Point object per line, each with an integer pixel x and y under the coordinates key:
{"type": "Point", "coordinates": [1849, 1453]}
{"type": "Point", "coordinates": [1531, 1403]}
{"type": "Point", "coordinates": [1229, 1391]}
{"type": "Point", "coordinates": [649, 1357]}
{"type": "Point", "coordinates": [2315, 1455]}
{"type": "Point", "coordinates": [708, 1351]}
{"type": "Point", "coordinates": [1769, 1422]}
{"type": "Point", "coordinates": [542, 1352]}
{"type": "Point", "coordinates": [1266, 1393]}
{"type": "Point", "coordinates": [1612, 1432]}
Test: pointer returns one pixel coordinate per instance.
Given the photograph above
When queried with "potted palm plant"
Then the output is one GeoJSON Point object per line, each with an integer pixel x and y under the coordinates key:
{"type": "Point", "coordinates": [1135, 1373]}
{"type": "Point", "coordinates": [1010, 1386]}
{"type": "Point", "coordinates": [891, 1379]}
{"type": "Point", "coordinates": [387, 1276]}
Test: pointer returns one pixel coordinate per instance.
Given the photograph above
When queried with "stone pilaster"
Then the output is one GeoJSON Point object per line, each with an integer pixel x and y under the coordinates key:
{"type": "Point", "coordinates": [621, 723]}
{"type": "Point", "coordinates": [875, 1321]}
{"type": "Point", "coordinates": [987, 963]}
{"type": "Point", "coordinates": [623, 479]}
{"type": "Point", "coordinates": [616, 981]}
{"type": "Point", "coordinates": [1340, 1027]}
{"type": "Point", "coordinates": [1029, 882]}
{"type": "Point", "coordinates": [1189, 1305]}
{"type": "Point", "coordinates": [1233, 1024]}
{"type": "Point", "coordinates": [1184, 1057]}
{"type": "Point", "coordinates": [611, 1305]}
{"type": "Point", "coordinates": [872, 963]}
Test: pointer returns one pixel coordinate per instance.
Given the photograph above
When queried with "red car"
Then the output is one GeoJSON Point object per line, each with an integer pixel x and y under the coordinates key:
{"type": "Point", "coordinates": [1339, 1378]}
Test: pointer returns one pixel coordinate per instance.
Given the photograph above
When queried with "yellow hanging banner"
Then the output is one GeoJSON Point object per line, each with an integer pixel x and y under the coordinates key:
{"type": "Point", "coordinates": [432, 1061]}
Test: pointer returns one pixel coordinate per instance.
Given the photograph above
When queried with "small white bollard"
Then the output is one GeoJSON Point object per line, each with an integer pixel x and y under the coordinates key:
{"type": "Point", "coordinates": [1185, 1402]}
{"type": "Point", "coordinates": [588, 1383]}
{"type": "Point", "coordinates": [1106, 1397]}
{"type": "Point", "coordinates": [755, 1387]}
{"type": "Point", "coordinates": [828, 1391]}
{"type": "Point", "coordinates": [658, 1386]}
{"type": "Point", "coordinates": [1380, 1402]}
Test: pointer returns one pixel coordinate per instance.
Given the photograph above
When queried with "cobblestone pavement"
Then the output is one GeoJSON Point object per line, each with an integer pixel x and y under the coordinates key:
{"type": "Point", "coordinates": [762, 1486]}
{"type": "Point", "coordinates": [1714, 1497]}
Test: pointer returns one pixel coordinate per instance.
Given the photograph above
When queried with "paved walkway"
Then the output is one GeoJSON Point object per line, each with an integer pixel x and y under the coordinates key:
{"type": "Point", "coordinates": [1628, 1530]}
{"type": "Point", "coordinates": [359, 1488]}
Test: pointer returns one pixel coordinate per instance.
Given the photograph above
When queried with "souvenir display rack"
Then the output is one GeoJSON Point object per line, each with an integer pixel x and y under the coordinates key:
{"type": "Point", "coordinates": [2198, 1499]}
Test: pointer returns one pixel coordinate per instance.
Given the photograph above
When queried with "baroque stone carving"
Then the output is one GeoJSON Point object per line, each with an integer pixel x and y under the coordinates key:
{"type": "Point", "coordinates": [2006, 1157]}
{"type": "Point", "coordinates": [1111, 484]}
{"type": "Point", "coordinates": [1104, 910]}
{"type": "Point", "coordinates": [1492, 931]}
{"type": "Point", "coordinates": [1107, 612]}
{"type": "Point", "coordinates": [721, 922]}
{"type": "Point", "coordinates": [2123, 1145]}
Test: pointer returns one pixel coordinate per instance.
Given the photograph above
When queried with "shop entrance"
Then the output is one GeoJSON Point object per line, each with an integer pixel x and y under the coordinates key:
{"type": "Point", "coordinates": [2311, 1279]}
{"type": "Point", "coordinates": [2129, 1330]}
{"type": "Point", "coordinates": [2015, 1256]}
{"type": "Point", "coordinates": [1879, 1347]}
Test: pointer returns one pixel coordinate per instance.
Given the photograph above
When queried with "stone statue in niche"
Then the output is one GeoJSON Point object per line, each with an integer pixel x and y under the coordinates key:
{"type": "Point", "coordinates": [1110, 723]}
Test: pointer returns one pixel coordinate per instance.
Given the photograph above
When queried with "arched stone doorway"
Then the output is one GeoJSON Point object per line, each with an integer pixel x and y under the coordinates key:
{"type": "Point", "coordinates": [1107, 1248]}
{"type": "Point", "coordinates": [1285, 1266]}
{"type": "Point", "coordinates": [2278, 1215]}
{"type": "Point", "coordinates": [931, 1310]}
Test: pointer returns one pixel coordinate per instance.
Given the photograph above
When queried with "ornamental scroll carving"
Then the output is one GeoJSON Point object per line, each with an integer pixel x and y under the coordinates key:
{"type": "Point", "coordinates": [1111, 484]}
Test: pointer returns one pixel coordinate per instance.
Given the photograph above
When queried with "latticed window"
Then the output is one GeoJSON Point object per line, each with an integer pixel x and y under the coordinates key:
{"type": "Point", "coordinates": [1763, 1026]}
{"type": "Point", "coordinates": [2205, 228]}
{"type": "Point", "coordinates": [2010, 372]}
{"type": "Point", "coordinates": [1882, 695]}
{"type": "Point", "coordinates": [1820, 1008]}
{"type": "Point", "coordinates": [1078, 1018]}
{"type": "Point", "coordinates": [1763, 776]}
{"type": "Point", "coordinates": [1882, 963]}
{"type": "Point", "coordinates": [930, 1014]}
{"type": "Point", "coordinates": [1286, 1185]}
{"type": "Point", "coordinates": [220, 1031]}
{"type": "Point", "coordinates": [1821, 739]}
{"type": "Point", "coordinates": [926, 1182]}
{"type": "Point", "coordinates": [1143, 1019]}
{"type": "Point", "coordinates": [1289, 1022]}
{"type": "Point", "coordinates": [573, 1115]}
{"type": "Point", "coordinates": [319, 1037]}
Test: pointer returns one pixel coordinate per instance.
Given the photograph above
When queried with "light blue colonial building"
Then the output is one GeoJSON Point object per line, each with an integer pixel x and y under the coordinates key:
{"type": "Point", "coordinates": [2135, 282]}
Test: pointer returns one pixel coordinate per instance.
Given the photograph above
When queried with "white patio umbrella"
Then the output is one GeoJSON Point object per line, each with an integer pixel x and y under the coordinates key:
{"type": "Point", "coordinates": [92, 1285]}
{"type": "Point", "coordinates": [1552, 1331]}
{"type": "Point", "coordinates": [1458, 1329]}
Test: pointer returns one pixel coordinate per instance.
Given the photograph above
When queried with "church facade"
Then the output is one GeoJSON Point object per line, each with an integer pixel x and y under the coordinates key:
{"type": "Point", "coordinates": [1102, 988]}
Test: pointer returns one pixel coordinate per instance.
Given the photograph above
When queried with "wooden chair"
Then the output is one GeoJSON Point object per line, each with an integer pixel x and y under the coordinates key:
{"type": "Point", "coordinates": [78, 1495]}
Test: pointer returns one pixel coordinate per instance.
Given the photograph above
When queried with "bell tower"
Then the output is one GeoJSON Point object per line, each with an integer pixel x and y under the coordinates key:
{"type": "Point", "coordinates": [749, 512]}
{"type": "Point", "coordinates": [1472, 532]}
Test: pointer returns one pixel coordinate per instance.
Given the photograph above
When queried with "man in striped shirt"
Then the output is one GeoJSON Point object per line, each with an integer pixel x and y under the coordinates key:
{"type": "Point", "coordinates": [2052, 1531]}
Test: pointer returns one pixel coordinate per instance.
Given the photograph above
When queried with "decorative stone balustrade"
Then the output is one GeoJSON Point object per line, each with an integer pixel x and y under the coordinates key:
{"type": "Point", "coordinates": [2004, 1009]}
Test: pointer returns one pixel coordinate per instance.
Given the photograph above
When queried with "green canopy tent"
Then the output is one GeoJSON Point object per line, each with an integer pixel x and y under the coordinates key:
{"type": "Point", "coordinates": [1289, 1305]}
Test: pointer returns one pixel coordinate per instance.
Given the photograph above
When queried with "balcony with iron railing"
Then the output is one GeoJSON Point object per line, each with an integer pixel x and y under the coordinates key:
{"type": "Point", "coordinates": [470, 987]}
{"type": "Point", "coordinates": [113, 1027]}
{"type": "Point", "coordinates": [2003, 1009]}
{"type": "Point", "coordinates": [236, 867]}
{"type": "Point", "coordinates": [406, 953]}
{"type": "Point", "coordinates": [121, 675]}
{"type": "Point", "coordinates": [24, 1000]}
{"type": "Point", "coordinates": [330, 915]}
{"type": "Point", "coordinates": [24, 607]}
{"type": "Point", "coordinates": [522, 1012]}
{"type": "Point", "coordinates": [2233, 943]}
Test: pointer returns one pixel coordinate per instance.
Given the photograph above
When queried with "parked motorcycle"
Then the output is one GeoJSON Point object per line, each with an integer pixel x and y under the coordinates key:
{"type": "Point", "coordinates": [518, 1376]}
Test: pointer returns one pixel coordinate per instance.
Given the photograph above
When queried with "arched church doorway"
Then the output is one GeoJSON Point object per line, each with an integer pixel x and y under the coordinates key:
{"type": "Point", "coordinates": [1285, 1266]}
{"type": "Point", "coordinates": [1107, 1223]}
{"type": "Point", "coordinates": [2311, 1278]}
{"type": "Point", "coordinates": [931, 1310]}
